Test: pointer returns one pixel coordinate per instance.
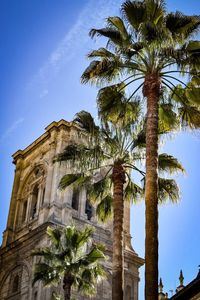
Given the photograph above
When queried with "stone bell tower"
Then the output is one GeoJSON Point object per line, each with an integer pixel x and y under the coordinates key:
{"type": "Point", "coordinates": [36, 203]}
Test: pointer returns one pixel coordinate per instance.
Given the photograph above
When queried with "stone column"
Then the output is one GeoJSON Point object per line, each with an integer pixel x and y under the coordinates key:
{"type": "Point", "coordinates": [8, 234]}
{"type": "Point", "coordinates": [82, 203]}
{"type": "Point", "coordinates": [127, 236]}
{"type": "Point", "coordinates": [56, 167]}
{"type": "Point", "coordinates": [49, 177]}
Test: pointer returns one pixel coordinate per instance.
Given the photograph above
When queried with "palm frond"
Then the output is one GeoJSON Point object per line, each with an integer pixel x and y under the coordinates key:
{"type": "Point", "coordinates": [86, 122]}
{"type": "Point", "coordinates": [168, 120]}
{"type": "Point", "coordinates": [71, 152]}
{"type": "Point", "coordinates": [133, 192]}
{"type": "Point", "coordinates": [71, 260]}
{"type": "Point", "coordinates": [118, 23]}
{"type": "Point", "coordinates": [77, 180]}
{"type": "Point", "coordinates": [101, 52]}
{"type": "Point", "coordinates": [112, 34]}
{"type": "Point", "coordinates": [182, 26]}
{"type": "Point", "coordinates": [102, 71]}
{"type": "Point", "coordinates": [170, 164]}
{"type": "Point", "coordinates": [168, 190]}
{"type": "Point", "coordinates": [99, 189]}
{"type": "Point", "coordinates": [54, 234]}
{"type": "Point", "coordinates": [104, 209]}
{"type": "Point", "coordinates": [113, 106]}
{"type": "Point", "coordinates": [134, 13]}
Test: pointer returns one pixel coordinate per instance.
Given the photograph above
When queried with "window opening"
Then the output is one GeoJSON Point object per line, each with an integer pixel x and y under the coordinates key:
{"type": "Point", "coordinates": [15, 285]}
{"type": "Point", "coordinates": [75, 199]}
{"type": "Point", "coordinates": [35, 295]}
{"type": "Point", "coordinates": [43, 194]}
{"type": "Point", "coordinates": [34, 202]}
{"type": "Point", "coordinates": [88, 209]}
{"type": "Point", "coordinates": [24, 209]}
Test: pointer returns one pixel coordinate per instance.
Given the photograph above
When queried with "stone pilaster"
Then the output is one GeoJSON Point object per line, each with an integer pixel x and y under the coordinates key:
{"type": "Point", "coordinates": [9, 232]}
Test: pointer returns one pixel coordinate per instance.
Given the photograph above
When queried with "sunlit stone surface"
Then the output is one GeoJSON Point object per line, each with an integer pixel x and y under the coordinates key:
{"type": "Point", "coordinates": [37, 203]}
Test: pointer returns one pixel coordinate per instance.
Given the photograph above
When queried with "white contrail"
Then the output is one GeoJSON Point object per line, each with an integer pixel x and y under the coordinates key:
{"type": "Point", "coordinates": [92, 15]}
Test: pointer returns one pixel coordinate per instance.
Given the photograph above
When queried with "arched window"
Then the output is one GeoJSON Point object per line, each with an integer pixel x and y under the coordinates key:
{"type": "Point", "coordinates": [128, 293]}
{"type": "Point", "coordinates": [35, 295]}
{"type": "Point", "coordinates": [34, 202]}
{"type": "Point", "coordinates": [24, 210]}
{"type": "Point", "coordinates": [88, 209]}
{"type": "Point", "coordinates": [43, 194]}
{"type": "Point", "coordinates": [15, 284]}
{"type": "Point", "coordinates": [75, 199]}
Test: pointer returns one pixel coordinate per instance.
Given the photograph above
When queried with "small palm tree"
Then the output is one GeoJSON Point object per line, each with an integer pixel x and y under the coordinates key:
{"type": "Point", "coordinates": [66, 259]}
{"type": "Point", "coordinates": [115, 151]}
{"type": "Point", "coordinates": [149, 46]}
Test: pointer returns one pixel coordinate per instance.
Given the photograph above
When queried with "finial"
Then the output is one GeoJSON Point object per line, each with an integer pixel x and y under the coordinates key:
{"type": "Point", "coordinates": [181, 278]}
{"type": "Point", "coordinates": [160, 286]}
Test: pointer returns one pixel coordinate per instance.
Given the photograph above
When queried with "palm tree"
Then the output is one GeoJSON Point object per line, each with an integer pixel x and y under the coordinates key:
{"type": "Point", "coordinates": [66, 258]}
{"type": "Point", "coordinates": [150, 46]}
{"type": "Point", "coordinates": [115, 151]}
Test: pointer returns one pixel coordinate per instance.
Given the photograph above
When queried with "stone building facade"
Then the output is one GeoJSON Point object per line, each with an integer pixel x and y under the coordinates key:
{"type": "Point", "coordinates": [36, 203]}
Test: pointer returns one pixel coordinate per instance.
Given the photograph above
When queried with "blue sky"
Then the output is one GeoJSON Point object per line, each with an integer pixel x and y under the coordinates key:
{"type": "Point", "coordinates": [43, 54]}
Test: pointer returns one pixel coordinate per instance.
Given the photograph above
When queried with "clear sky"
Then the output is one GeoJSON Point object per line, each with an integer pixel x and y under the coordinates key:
{"type": "Point", "coordinates": [42, 55]}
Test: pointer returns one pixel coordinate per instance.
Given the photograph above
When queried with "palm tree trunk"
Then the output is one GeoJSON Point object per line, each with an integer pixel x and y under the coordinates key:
{"type": "Point", "coordinates": [67, 285]}
{"type": "Point", "coordinates": [151, 92]}
{"type": "Point", "coordinates": [118, 178]}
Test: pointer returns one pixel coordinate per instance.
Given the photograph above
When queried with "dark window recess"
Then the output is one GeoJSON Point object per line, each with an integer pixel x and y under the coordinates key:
{"type": "Point", "coordinates": [88, 209]}
{"type": "Point", "coordinates": [15, 285]}
{"type": "Point", "coordinates": [35, 295]}
{"type": "Point", "coordinates": [43, 194]}
{"type": "Point", "coordinates": [24, 209]}
{"type": "Point", "coordinates": [34, 202]}
{"type": "Point", "coordinates": [75, 199]}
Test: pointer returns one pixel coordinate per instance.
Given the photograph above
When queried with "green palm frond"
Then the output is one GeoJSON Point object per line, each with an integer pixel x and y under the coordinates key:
{"type": "Point", "coordinates": [111, 33]}
{"type": "Point", "coordinates": [104, 209]}
{"type": "Point", "coordinates": [101, 53]}
{"type": "Point", "coordinates": [44, 252]}
{"type": "Point", "coordinates": [189, 116]}
{"type": "Point", "coordinates": [70, 153]}
{"type": "Point", "coordinates": [85, 120]}
{"type": "Point", "coordinates": [188, 110]}
{"type": "Point", "coordinates": [71, 261]}
{"type": "Point", "coordinates": [99, 189]}
{"type": "Point", "coordinates": [75, 180]}
{"type": "Point", "coordinates": [54, 234]}
{"type": "Point", "coordinates": [133, 192]}
{"type": "Point", "coordinates": [182, 26]}
{"type": "Point", "coordinates": [139, 140]}
{"type": "Point", "coordinates": [113, 106]}
{"type": "Point", "coordinates": [170, 164]}
{"type": "Point", "coordinates": [168, 119]}
{"type": "Point", "coordinates": [168, 190]}
{"type": "Point", "coordinates": [46, 273]}
{"type": "Point", "coordinates": [134, 12]}
{"type": "Point", "coordinates": [85, 236]}
{"type": "Point", "coordinates": [118, 23]}
{"type": "Point", "coordinates": [102, 71]}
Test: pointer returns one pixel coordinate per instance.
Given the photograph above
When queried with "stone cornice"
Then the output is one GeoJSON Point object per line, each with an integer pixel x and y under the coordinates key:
{"type": "Point", "coordinates": [54, 126]}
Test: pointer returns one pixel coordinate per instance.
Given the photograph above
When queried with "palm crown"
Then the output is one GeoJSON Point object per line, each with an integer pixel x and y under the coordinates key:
{"type": "Point", "coordinates": [67, 258]}
{"type": "Point", "coordinates": [151, 47]}
{"type": "Point", "coordinates": [114, 150]}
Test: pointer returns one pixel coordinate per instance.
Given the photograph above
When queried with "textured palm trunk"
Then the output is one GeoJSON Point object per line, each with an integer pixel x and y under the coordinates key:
{"type": "Point", "coordinates": [67, 286]}
{"type": "Point", "coordinates": [118, 178]}
{"type": "Point", "coordinates": [151, 92]}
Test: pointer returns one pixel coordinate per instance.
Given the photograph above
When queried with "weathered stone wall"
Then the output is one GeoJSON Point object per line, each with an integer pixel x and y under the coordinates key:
{"type": "Point", "coordinates": [37, 202]}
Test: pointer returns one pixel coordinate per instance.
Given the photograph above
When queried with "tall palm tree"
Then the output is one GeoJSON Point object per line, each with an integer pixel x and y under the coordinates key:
{"type": "Point", "coordinates": [67, 259]}
{"type": "Point", "coordinates": [115, 151]}
{"type": "Point", "coordinates": [150, 46]}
